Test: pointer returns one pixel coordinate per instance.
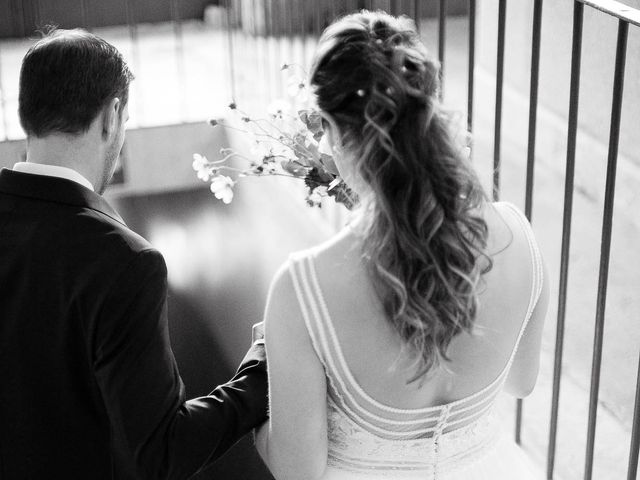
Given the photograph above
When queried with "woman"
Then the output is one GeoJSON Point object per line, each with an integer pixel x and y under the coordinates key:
{"type": "Point", "coordinates": [406, 325]}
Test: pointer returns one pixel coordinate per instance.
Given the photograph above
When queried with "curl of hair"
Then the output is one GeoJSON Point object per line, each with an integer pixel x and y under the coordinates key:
{"type": "Point", "coordinates": [424, 238]}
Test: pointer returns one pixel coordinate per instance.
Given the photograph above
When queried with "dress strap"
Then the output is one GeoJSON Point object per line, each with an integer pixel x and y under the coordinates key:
{"type": "Point", "coordinates": [537, 274]}
{"type": "Point", "coordinates": [308, 301]}
{"type": "Point", "coordinates": [344, 389]}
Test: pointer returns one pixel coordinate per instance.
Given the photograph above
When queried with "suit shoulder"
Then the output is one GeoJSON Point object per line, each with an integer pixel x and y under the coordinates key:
{"type": "Point", "coordinates": [111, 233]}
{"type": "Point", "coordinates": [113, 245]}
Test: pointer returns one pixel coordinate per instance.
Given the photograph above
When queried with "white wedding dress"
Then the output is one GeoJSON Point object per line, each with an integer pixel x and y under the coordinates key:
{"type": "Point", "coordinates": [462, 440]}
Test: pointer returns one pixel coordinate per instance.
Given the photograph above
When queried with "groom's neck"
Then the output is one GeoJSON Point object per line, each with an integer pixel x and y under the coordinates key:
{"type": "Point", "coordinates": [77, 152]}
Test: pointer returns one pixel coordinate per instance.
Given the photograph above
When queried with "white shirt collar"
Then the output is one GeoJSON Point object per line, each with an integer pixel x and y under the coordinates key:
{"type": "Point", "coordinates": [53, 171]}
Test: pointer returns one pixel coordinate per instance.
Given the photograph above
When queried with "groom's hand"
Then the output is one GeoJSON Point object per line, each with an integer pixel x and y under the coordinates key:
{"type": "Point", "coordinates": [257, 333]}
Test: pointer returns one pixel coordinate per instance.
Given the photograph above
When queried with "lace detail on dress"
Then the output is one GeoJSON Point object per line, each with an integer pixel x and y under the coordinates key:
{"type": "Point", "coordinates": [355, 449]}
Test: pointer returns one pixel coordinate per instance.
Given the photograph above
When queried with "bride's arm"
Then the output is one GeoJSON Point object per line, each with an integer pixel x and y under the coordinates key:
{"type": "Point", "coordinates": [293, 442]}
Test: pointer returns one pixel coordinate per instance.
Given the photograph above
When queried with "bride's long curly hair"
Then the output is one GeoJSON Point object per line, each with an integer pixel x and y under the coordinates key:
{"type": "Point", "coordinates": [424, 238]}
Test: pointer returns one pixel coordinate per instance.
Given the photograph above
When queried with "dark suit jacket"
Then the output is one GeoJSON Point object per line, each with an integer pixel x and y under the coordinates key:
{"type": "Point", "coordinates": [89, 387]}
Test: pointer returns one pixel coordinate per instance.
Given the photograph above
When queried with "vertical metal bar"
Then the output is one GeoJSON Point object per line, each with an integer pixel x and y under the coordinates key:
{"type": "Point", "coordinates": [533, 105]}
{"type": "Point", "coordinates": [293, 31]}
{"type": "Point", "coordinates": [268, 61]}
{"type": "Point", "coordinates": [574, 94]}
{"type": "Point", "coordinates": [605, 248]}
{"type": "Point", "coordinates": [3, 105]}
{"type": "Point", "coordinates": [37, 14]}
{"type": "Point", "coordinates": [176, 20]}
{"type": "Point", "coordinates": [393, 7]}
{"type": "Point", "coordinates": [502, 12]}
{"type": "Point", "coordinates": [442, 36]}
{"type": "Point", "coordinates": [267, 19]}
{"type": "Point", "coordinates": [84, 16]}
{"type": "Point", "coordinates": [472, 63]}
{"type": "Point", "coordinates": [303, 35]}
{"type": "Point", "coordinates": [135, 53]}
{"type": "Point", "coordinates": [290, 11]}
{"type": "Point", "coordinates": [318, 18]}
{"type": "Point", "coordinates": [285, 38]}
{"type": "Point", "coordinates": [231, 56]}
{"type": "Point", "coordinates": [531, 146]}
{"type": "Point", "coordinates": [417, 14]}
{"type": "Point", "coordinates": [635, 433]}
{"type": "Point", "coordinates": [266, 49]}
{"type": "Point", "coordinates": [519, 404]}
{"type": "Point", "coordinates": [260, 33]}
{"type": "Point", "coordinates": [280, 36]}
{"type": "Point", "coordinates": [286, 18]}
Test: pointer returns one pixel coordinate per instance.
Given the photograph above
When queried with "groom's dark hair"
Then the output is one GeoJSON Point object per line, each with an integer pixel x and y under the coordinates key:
{"type": "Point", "coordinates": [66, 78]}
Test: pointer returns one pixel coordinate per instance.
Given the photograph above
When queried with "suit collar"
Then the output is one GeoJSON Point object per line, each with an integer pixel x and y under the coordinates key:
{"type": "Point", "coordinates": [53, 189]}
{"type": "Point", "coordinates": [53, 171]}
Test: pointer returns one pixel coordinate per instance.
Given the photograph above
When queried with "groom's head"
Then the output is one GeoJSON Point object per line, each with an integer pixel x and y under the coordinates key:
{"type": "Point", "coordinates": [76, 85]}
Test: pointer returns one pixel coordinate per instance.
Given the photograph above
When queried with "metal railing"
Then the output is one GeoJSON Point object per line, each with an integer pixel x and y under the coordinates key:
{"type": "Point", "coordinates": [290, 25]}
{"type": "Point", "coordinates": [626, 16]}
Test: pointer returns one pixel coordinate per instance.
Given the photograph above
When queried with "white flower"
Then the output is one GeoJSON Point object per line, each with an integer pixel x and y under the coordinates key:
{"type": "Point", "coordinates": [201, 166]}
{"type": "Point", "coordinates": [222, 188]}
{"type": "Point", "coordinates": [297, 88]}
{"type": "Point", "coordinates": [199, 162]}
{"type": "Point", "coordinates": [204, 175]}
{"type": "Point", "coordinates": [279, 108]}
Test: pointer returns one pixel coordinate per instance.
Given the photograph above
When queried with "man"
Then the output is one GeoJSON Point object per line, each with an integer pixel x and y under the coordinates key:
{"type": "Point", "coordinates": [89, 385]}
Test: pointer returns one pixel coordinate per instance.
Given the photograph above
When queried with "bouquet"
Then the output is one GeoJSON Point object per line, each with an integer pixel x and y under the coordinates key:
{"type": "Point", "coordinates": [288, 142]}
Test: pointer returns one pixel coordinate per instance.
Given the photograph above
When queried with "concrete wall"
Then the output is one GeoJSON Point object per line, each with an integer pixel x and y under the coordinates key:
{"type": "Point", "coordinates": [156, 159]}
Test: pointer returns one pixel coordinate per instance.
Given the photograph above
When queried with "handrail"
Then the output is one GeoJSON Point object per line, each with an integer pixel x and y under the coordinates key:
{"type": "Point", "coordinates": [616, 9]}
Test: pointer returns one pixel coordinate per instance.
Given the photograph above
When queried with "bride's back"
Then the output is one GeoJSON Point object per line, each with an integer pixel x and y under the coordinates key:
{"type": "Point", "coordinates": [404, 328]}
{"type": "Point", "coordinates": [376, 355]}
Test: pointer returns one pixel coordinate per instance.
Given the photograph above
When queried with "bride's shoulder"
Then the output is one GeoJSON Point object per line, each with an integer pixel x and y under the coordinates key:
{"type": "Point", "coordinates": [337, 246]}
{"type": "Point", "coordinates": [293, 289]}
{"type": "Point", "coordinates": [315, 264]}
{"type": "Point", "coordinates": [505, 225]}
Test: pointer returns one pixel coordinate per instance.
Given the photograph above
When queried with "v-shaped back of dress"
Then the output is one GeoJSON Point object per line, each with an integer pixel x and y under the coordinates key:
{"type": "Point", "coordinates": [366, 435]}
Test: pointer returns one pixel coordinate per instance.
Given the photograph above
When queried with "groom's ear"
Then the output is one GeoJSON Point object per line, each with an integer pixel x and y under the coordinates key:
{"type": "Point", "coordinates": [111, 118]}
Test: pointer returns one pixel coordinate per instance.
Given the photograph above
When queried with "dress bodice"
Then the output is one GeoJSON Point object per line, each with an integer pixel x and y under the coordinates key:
{"type": "Point", "coordinates": [369, 438]}
{"type": "Point", "coordinates": [355, 449]}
